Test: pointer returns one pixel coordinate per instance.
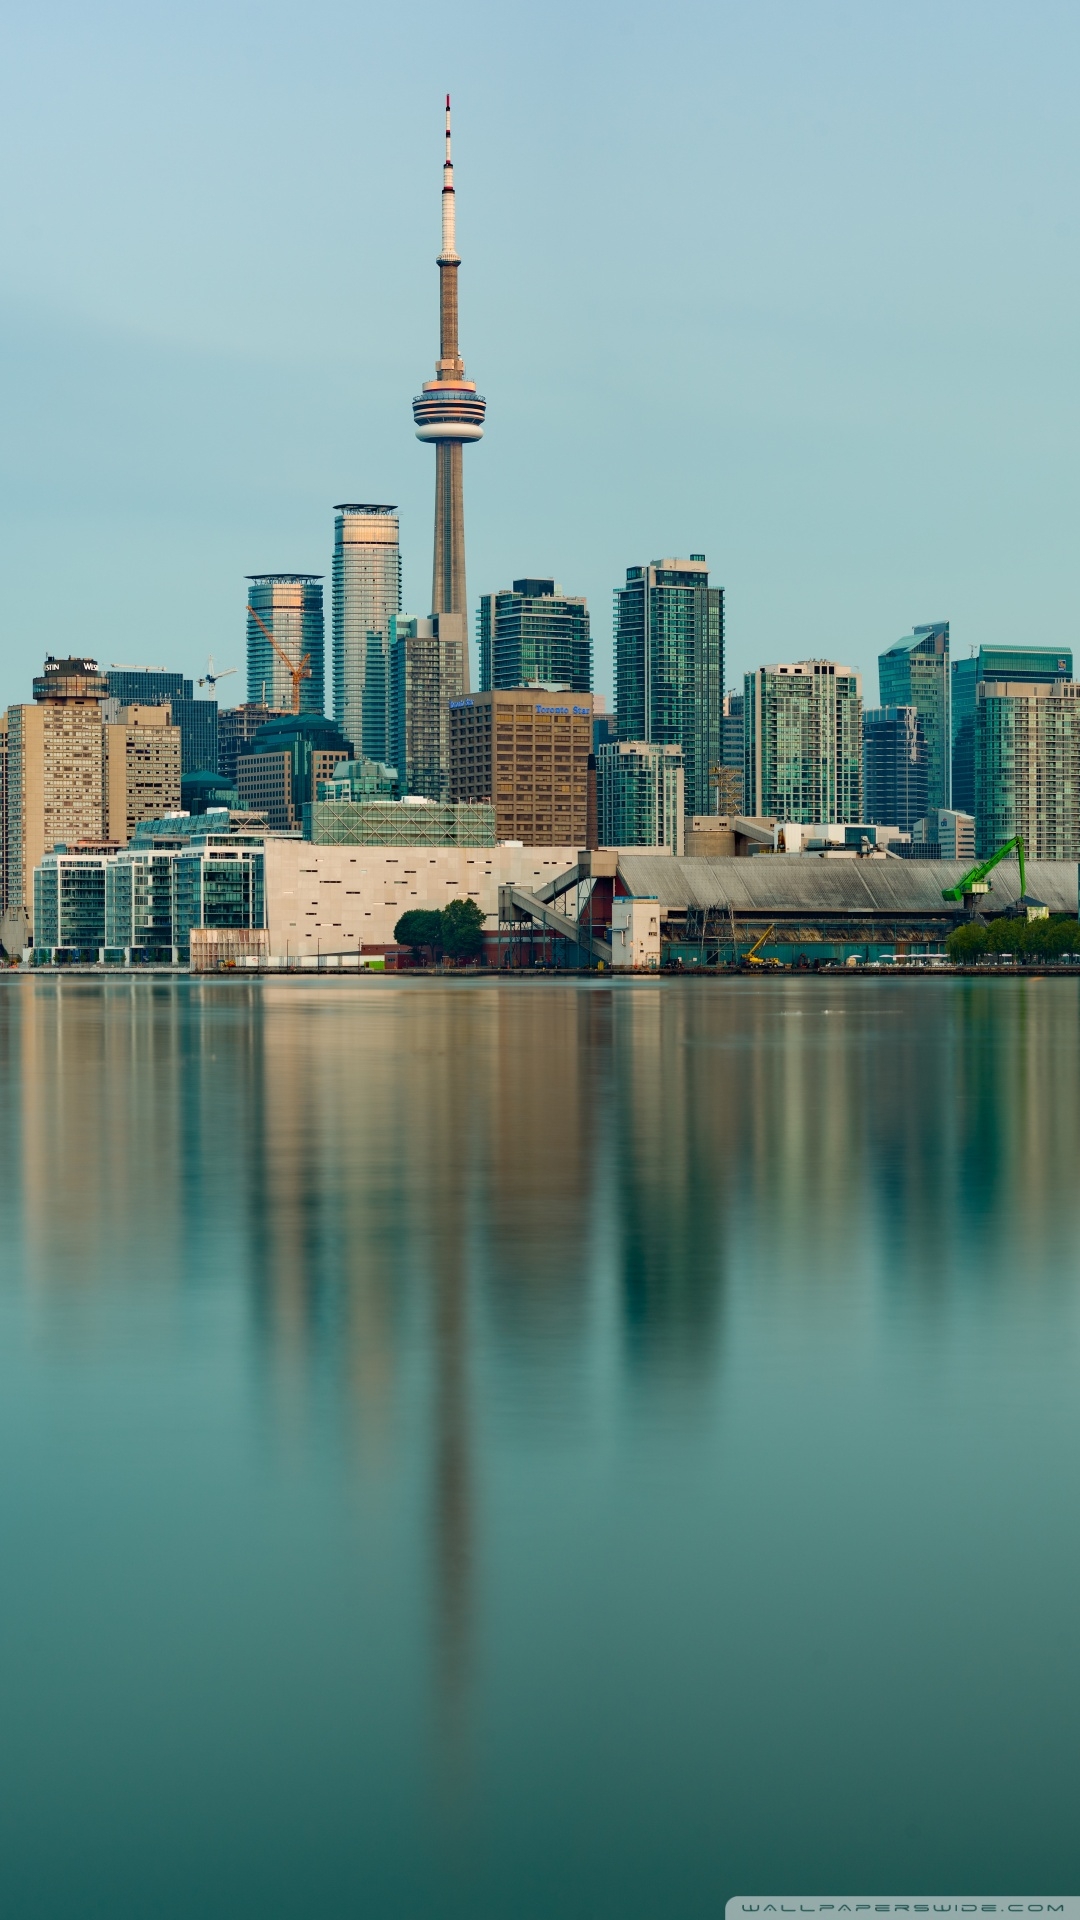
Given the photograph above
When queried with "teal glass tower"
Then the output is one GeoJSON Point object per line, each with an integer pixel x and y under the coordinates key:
{"type": "Point", "coordinates": [534, 632]}
{"type": "Point", "coordinates": [802, 730]}
{"type": "Point", "coordinates": [366, 600]}
{"type": "Point", "coordinates": [291, 606]}
{"type": "Point", "coordinates": [1035, 666]}
{"type": "Point", "coordinates": [669, 667]}
{"type": "Point", "coordinates": [915, 673]}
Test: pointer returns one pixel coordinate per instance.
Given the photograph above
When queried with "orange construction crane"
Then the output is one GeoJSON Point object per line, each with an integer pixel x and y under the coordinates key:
{"type": "Point", "coordinates": [302, 671]}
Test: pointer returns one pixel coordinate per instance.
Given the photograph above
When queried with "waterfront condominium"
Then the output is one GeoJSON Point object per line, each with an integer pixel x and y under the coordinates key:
{"type": "Point", "coordinates": [1036, 666]}
{"type": "Point", "coordinates": [894, 767]}
{"type": "Point", "coordinates": [291, 606]}
{"type": "Point", "coordinates": [534, 631]}
{"type": "Point", "coordinates": [366, 599]}
{"type": "Point", "coordinates": [915, 673]}
{"type": "Point", "coordinates": [448, 412]}
{"type": "Point", "coordinates": [1027, 767]}
{"type": "Point", "coordinates": [669, 666]}
{"type": "Point", "coordinates": [803, 742]}
{"type": "Point", "coordinates": [640, 795]}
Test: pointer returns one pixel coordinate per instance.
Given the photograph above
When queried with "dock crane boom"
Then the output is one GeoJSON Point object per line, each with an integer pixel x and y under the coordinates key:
{"type": "Point", "coordinates": [302, 669]}
{"type": "Point", "coordinates": [977, 882]}
{"type": "Point", "coordinates": [755, 958]}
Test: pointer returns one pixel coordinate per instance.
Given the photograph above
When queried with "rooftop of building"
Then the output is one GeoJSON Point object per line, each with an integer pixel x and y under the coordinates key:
{"type": "Point", "coordinates": [283, 579]}
{"type": "Point", "coordinates": [793, 884]}
{"type": "Point", "coordinates": [361, 506]}
{"type": "Point", "coordinates": [278, 735]}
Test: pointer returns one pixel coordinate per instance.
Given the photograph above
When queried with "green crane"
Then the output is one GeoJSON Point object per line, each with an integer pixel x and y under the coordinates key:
{"type": "Point", "coordinates": [977, 882]}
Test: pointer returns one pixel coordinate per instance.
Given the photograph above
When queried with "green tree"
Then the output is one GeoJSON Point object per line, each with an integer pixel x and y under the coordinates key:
{"type": "Point", "coordinates": [462, 930]}
{"type": "Point", "coordinates": [965, 942]}
{"type": "Point", "coordinates": [422, 930]}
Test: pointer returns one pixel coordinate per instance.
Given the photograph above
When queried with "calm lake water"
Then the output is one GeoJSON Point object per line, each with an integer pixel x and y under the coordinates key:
{"type": "Point", "coordinates": [533, 1449]}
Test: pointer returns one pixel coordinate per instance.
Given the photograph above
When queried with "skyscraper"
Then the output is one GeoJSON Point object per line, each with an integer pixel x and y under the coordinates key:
{"type": "Point", "coordinates": [55, 784]}
{"type": "Point", "coordinates": [640, 795]}
{"type": "Point", "coordinates": [803, 742]}
{"type": "Point", "coordinates": [196, 719]}
{"type": "Point", "coordinates": [1027, 767]}
{"type": "Point", "coordinates": [535, 631]}
{"type": "Point", "coordinates": [366, 599]}
{"type": "Point", "coordinates": [894, 767]}
{"type": "Point", "coordinates": [669, 666]}
{"type": "Point", "coordinates": [449, 411]}
{"type": "Point", "coordinates": [915, 673]}
{"type": "Point", "coordinates": [1036, 666]}
{"type": "Point", "coordinates": [291, 605]}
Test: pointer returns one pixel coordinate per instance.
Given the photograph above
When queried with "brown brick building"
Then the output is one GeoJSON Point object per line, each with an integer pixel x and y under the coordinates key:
{"type": "Point", "coordinates": [526, 749]}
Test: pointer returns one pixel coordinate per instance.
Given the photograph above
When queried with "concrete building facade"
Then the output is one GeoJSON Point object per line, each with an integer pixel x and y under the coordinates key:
{"type": "Point", "coordinates": [527, 752]}
{"type": "Point", "coordinates": [142, 769]}
{"type": "Point", "coordinates": [55, 781]}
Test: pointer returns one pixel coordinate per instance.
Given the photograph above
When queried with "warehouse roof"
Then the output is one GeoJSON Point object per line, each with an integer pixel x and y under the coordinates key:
{"type": "Point", "coordinates": [802, 883]}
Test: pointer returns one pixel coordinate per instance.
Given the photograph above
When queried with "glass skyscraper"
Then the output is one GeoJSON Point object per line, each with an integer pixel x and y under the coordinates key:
{"type": "Point", "coordinates": [894, 767]}
{"type": "Point", "coordinates": [196, 719]}
{"type": "Point", "coordinates": [534, 632]}
{"type": "Point", "coordinates": [366, 598]}
{"type": "Point", "coordinates": [915, 673]}
{"type": "Point", "coordinates": [1027, 767]}
{"type": "Point", "coordinates": [803, 742]}
{"type": "Point", "coordinates": [669, 666]}
{"type": "Point", "coordinates": [291, 605]}
{"type": "Point", "coordinates": [1037, 666]}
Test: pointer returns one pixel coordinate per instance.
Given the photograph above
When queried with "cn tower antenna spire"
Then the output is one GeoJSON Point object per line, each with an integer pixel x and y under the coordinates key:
{"type": "Point", "coordinates": [449, 413]}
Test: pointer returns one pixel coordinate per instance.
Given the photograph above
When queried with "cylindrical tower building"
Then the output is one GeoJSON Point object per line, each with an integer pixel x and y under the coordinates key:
{"type": "Point", "coordinates": [449, 411]}
{"type": "Point", "coordinates": [291, 605]}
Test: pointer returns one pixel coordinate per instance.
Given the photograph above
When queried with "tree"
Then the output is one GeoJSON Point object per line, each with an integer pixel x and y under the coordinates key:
{"type": "Point", "coordinates": [963, 943]}
{"type": "Point", "coordinates": [421, 929]}
{"type": "Point", "coordinates": [462, 930]}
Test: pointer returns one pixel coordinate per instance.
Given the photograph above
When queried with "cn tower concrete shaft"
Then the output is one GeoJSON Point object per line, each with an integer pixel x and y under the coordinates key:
{"type": "Point", "coordinates": [449, 412]}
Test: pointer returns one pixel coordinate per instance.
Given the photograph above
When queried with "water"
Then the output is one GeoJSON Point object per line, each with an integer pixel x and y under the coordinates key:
{"type": "Point", "coordinates": [532, 1449]}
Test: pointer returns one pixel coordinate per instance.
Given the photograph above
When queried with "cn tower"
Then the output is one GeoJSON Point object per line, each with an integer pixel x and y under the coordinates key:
{"type": "Point", "coordinates": [449, 411]}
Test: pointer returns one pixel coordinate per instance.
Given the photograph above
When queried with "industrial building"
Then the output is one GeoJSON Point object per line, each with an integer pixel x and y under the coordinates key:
{"type": "Point", "coordinates": [526, 751]}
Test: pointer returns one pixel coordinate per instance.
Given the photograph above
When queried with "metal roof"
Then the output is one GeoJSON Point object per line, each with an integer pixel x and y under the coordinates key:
{"type": "Point", "coordinates": [804, 883]}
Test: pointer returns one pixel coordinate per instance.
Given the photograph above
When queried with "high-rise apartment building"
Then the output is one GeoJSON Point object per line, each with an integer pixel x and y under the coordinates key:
{"type": "Point", "coordinates": [669, 666]}
{"type": "Point", "coordinates": [640, 795]}
{"type": "Point", "coordinates": [729, 774]}
{"type": "Point", "coordinates": [290, 605]}
{"type": "Point", "coordinates": [527, 751]}
{"type": "Point", "coordinates": [915, 673]}
{"type": "Point", "coordinates": [894, 767]}
{"type": "Point", "coordinates": [196, 719]}
{"type": "Point", "coordinates": [422, 666]}
{"type": "Point", "coordinates": [55, 765]}
{"type": "Point", "coordinates": [803, 742]}
{"type": "Point", "coordinates": [1036, 666]}
{"type": "Point", "coordinates": [142, 769]}
{"type": "Point", "coordinates": [366, 600]}
{"type": "Point", "coordinates": [1027, 767]}
{"type": "Point", "coordinates": [534, 631]}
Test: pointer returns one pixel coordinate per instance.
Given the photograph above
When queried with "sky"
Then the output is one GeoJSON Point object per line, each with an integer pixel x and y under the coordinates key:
{"type": "Point", "coordinates": [792, 283]}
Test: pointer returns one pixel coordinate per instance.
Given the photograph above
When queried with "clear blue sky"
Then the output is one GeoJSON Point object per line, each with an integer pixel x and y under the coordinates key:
{"type": "Point", "coordinates": [790, 283]}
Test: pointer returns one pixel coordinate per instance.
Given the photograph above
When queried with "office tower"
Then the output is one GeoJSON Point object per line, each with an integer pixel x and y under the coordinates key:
{"type": "Point", "coordinates": [669, 666]}
{"type": "Point", "coordinates": [449, 412]}
{"type": "Point", "coordinates": [1036, 666]}
{"type": "Point", "coordinates": [196, 719]}
{"type": "Point", "coordinates": [528, 753]}
{"type": "Point", "coordinates": [915, 673]}
{"type": "Point", "coordinates": [54, 780]}
{"type": "Point", "coordinates": [640, 790]}
{"type": "Point", "coordinates": [534, 631]}
{"type": "Point", "coordinates": [142, 769]}
{"type": "Point", "coordinates": [894, 767]}
{"type": "Point", "coordinates": [366, 598]}
{"type": "Point", "coordinates": [802, 728]}
{"type": "Point", "coordinates": [280, 772]}
{"type": "Point", "coordinates": [944, 834]}
{"type": "Point", "coordinates": [237, 726]}
{"type": "Point", "coordinates": [291, 606]}
{"type": "Point", "coordinates": [1027, 767]}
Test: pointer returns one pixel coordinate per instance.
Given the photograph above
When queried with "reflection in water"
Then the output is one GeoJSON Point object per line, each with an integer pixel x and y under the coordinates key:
{"type": "Point", "coordinates": [429, 1239]}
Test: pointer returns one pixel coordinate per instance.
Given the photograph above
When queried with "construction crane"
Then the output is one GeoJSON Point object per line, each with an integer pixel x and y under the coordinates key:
{"type": "Point", "coordinates": [977, 881]}
{"type": "Point", "coordinates": [210, 678]}
{"type": "Point", "coordinates": [302, 669]}
{"type": "Point", "coordinates": [755, 957]}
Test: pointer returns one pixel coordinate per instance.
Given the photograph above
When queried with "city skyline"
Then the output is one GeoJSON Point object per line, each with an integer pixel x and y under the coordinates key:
{"type": "Point", "coordinates": [796, 438]}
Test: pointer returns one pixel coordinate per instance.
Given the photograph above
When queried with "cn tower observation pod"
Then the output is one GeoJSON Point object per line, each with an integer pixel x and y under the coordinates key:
{"type": "Point", "coordinates": [445, 411]}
